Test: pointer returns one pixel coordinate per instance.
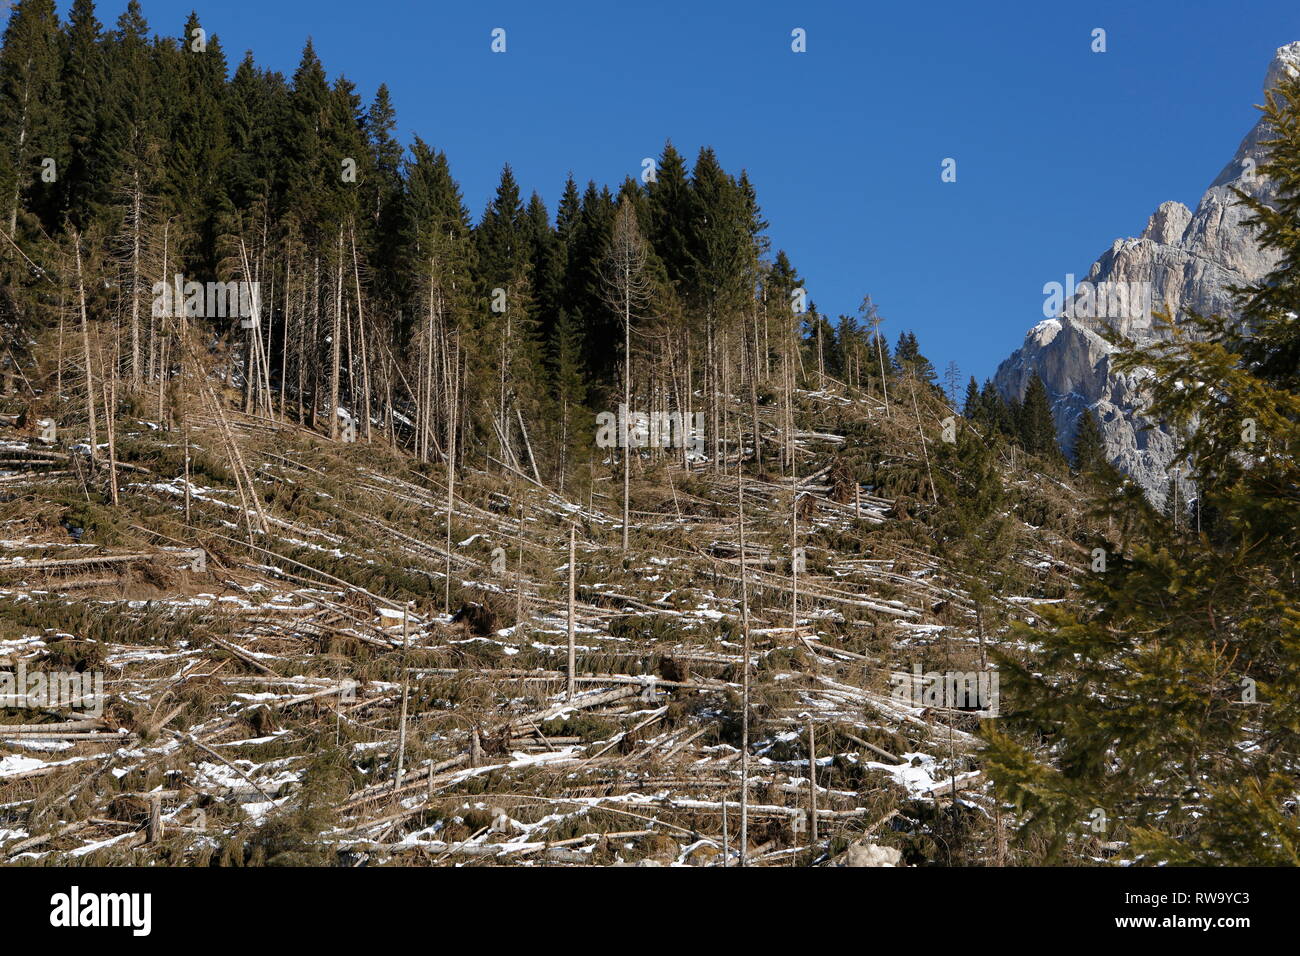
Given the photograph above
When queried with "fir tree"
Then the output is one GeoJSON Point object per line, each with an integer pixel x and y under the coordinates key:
{"type": "Point", "coordinates": [722, 227]}
{"type": "Point", "coordinates": [91, 135]}
{"type": "Point", "coordinates": [1088, 450]}
{"type": "Point", "coordinates": [672, 213]}
{"type": "Point", "coordinates": [572, 444]}
{"type": "Point", "coordinates": [31, 126]}
{"type": "Point", "coordinates": [1268, 337]}
{"type": "Point", "coordinates": [385, 154]}
{"type": "Point", "coordinates": [908, 359]}
{"type": "Point", "coordinates": [971, 406]}
{"type": "Point", "coordinates": [1170, 697]}
{"type": "Point", "coordinates": [1035, 425]}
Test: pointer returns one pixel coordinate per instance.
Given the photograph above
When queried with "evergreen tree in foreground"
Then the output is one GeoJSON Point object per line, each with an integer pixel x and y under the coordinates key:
{"type": "Point", "coordinates": [1169, 700]}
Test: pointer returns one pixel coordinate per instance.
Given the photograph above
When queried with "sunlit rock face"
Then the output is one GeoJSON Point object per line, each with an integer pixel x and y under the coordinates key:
{"type": "Point", "coordinates": [1182, 261]}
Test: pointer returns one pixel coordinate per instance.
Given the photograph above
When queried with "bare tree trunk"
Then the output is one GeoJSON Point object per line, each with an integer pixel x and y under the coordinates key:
{"type": "Point", "coordinates": [336, 343]}
{"type": "Point", "coordinates": [627, 397]}
{"type": "Point", "coordinates": [690, 398]}
{"type": "Point", "coordinates": [361, 333]}
{"type": "Point", "coordinates": [186, 432]}
{"type": "Point", "coordinates": [627, 289]}
{"type": "Point", "coordinates": [284, 333]}
{"type": "Point", "coordinates": [519, 572]}
{"type": "Point", "coordinates": [451, 468]}
{"type": "Point", "coordinates": [85, 347]}
{"type": "Point", "coordinates": [794, 550]}
{"type": "Point", "coordinates": [21, 148]}
{"type": "Point", "coordinates": [311, 343]}
{"type": "Point", "coordinates": [136, 202]}
{"type": "Point", "coordinates": [753, 405]}
{"type": "Point", "coordinates": [812, 786]}
{"type": "Point", "coordinates": [714, 416]}
{"type": "Point", "coordinates": [821, 357]}
{"type": "Point", "coordinates": [744, 691]}
{"type": "Point", "coordinates": [921, 433]}
{"type": "Point", "coordinates": [572, 652]}
{"type": "Point", "coordinates": [401, 726]}
{"type": "Point", "coordinates": [726, 837]}
{"type": "Point", "coordinates": [884, 382]}
{"type": "Point", "coordinates": [110, 408]}
{"type": "Point", "coordinates": [58, 368]}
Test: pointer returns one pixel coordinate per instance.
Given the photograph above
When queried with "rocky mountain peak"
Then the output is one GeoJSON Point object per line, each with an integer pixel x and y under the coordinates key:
{"type": "Point", "coordinates": [1183, 260]}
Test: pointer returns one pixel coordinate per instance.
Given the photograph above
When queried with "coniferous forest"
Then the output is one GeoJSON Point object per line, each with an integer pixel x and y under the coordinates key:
{"type": "Point", "coordinates": [403, 533]}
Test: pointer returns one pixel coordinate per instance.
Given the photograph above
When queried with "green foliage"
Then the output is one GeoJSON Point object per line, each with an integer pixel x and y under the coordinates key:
{"type": "Point", "coordinates": [31, 124]}
{"type": "Point", "coordinates": [1269, 337]}
{"type": "Point", "coordinates": [1168, 699]}
{"type": "Point", "coordinates": [908, 359]}
{"type": "Point", "coordinates": [1088, 450]}
{"type": "Point", "coordinates": [1035, 425]}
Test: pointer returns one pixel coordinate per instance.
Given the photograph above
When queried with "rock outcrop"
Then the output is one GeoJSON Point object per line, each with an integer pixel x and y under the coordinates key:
{"type": "Point", "coordinates": [1183, 261]}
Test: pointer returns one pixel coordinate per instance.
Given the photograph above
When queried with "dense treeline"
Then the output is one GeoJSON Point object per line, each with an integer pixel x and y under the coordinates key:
{"type": "Point", "coordinates": [128, 159]}
{"type": "Point", "coordinates": [1157, 710]}
{"type": "Point", "coordinates": [1027, 422]}
{"type": "Point", "coordinates": [378, 291]}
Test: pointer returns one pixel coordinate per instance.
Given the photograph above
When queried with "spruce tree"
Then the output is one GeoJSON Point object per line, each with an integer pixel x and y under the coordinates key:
{"type": "Point", "coordinates": [976, 530]}
{"type": "Point", "coordinates": [573, 440]}
{"type": "Point", "coordinates": [590, 238]}
{"type": "Point", "coordinates": [780, 281]}
{"type": "Point", "coordinates": [722, 226]}
{"type": "Point", "coordinates": [971, 406]}
{"type": "Point", "coordinates": [383, 192]}
{"type": "Point", "coordinates": [91, 135]}
{"type": "Point", "coordinates": [547, 265]}
{"type": "Point", "coordinates": [198, 141]}
{"type": "Point", "coordinates": [908, 359]}
{"type": "Point", "coordinates": [1169, 698]}
{"type": "Point", "coordinates": [567, 213]}
{"type": "Point", "coordinates": [385, 156]}
{"type": "Point", "coordinates": [133, 98]}
{"type": "Point", "coordinates": [1036, 427]}
{"type": "Point", "coordinates": [304, 170]}
{"type": "Point", "coordinates": [1088, 450]}
{"type": "Point", "coordinates": [507, 346]}
{"type": "Point", "coordinates": [31, 124]}
{"type": "Point", "coordinates": [248, 177]}
{"type": "Point", "coordinates": [1268, 337]}
{"type": "Point", "coordinates": [672, 205]}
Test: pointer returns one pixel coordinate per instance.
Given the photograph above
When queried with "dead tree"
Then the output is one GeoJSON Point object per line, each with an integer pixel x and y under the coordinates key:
{"type": "Point", "coordinates": [628, 288]}
{"type": "Point", "coordinates": [85, 347]}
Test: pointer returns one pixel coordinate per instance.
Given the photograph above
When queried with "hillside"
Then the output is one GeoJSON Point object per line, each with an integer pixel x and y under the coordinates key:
{"type": "Point", "coordinates": [341, 526]}
{"type": "Point", "coordinates": [305, 696]}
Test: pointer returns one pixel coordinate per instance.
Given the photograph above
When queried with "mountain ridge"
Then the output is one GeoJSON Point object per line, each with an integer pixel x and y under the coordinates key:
{"type": "Point", "coordinates": [1186, 260]}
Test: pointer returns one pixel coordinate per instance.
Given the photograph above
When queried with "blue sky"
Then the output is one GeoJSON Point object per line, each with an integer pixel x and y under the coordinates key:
{"type": "Point", "coordinates": [1059, 150]}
